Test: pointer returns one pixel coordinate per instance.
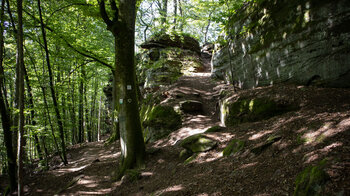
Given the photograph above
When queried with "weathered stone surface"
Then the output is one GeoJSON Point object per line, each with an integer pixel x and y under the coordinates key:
{"type": "Point", "coordinates": [198, 143]}
{"type": "Point", "coordinates": [185, 154]}
{"type": "Point", "coordinates": [250, 110]}
{"type": "Point", "coordinates": [178, 41]}
{"type": "Point", "coordinates": [311, 180]}
{"type": "Point", "coordinates": [215, 129]}
{"type": "Point", "coordinates": [233, 147]}
{"type": "Point", "coordinates": [260, 148]}
{"type": "Point", "coordinates": [163, 66]}
{"type": "Point", "coordinates": [159, 121]}
{"type": "Point", "coordinates": [299, 42]}
{"type": "Point", "coordinates": [190, 106]}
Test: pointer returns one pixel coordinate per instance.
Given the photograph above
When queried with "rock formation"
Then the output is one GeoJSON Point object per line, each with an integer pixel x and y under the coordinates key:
{"type": "Point", "coordinates": [298, 42]}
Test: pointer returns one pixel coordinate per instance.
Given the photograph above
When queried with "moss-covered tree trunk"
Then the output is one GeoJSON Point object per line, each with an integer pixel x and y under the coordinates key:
{"type": "Point", "coordinates": [123, 28]}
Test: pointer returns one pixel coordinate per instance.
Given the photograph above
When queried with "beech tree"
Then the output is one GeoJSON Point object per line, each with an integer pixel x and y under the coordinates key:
{"type": "Point", "coordinates": [122, 26]}
{"type": "Point", "coordinates": [4, 110]}
{"type": "Point", "coordinates": [20, 96]}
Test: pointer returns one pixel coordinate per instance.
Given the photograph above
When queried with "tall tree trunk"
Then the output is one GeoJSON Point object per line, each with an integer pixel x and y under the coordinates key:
{"type": "Point", "coordinates": [81, 109]}
{"type": "Point", "coordinates": [99, 121]}
{"type": "Point", "coordinates": [87, 122]}
{"type": "Point", "coordinates": [123, 28]}
{"type": "Point", "coordinates": [164, 14]}
{"type": "Point", "coordinates": [20, 76]}
{"type": "Point", "coordinates": [14, 128]}
{"type": "Point", "coordinates": [46, 112]}
{"type": "Point", "coordinates": [181, 16]}
{"type": "Point", "coordinates": [53, 93]}
{"type": "Point", "coordinates": [32, 113]}
{"type": "Point", "coordinates": [175, 14]}
{"type": "Point", "coordinates": [5, 114]}
{"type": "Point", "coordinates": [71, 105]}
{"type": "Point", "coordinates": [93, 112]}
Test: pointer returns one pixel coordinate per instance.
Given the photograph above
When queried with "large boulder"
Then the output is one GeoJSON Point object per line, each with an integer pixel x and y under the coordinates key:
{"type": "Point", "coordinates": [159, 121]}
{"type": "Point", "coordinates": [182, 41]}
{"type": "Point", "coordinates": [163, 66]}
{"type": "Point", "coordinates": [298, 42]}
{"type": "Point", "coordinates": [198, 143]}
{"type": "Point", "coordinates": [234, 112]}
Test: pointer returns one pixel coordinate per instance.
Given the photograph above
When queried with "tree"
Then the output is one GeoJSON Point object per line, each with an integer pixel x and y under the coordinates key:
{"type": "Point", "coordinates": [53, 93]}
{"type": "Point", "coordinates": [122, 27]}
{"type": "Point", "coordinates": [5, 114]}
{"type": "Point", "coordinates": [20, 98]}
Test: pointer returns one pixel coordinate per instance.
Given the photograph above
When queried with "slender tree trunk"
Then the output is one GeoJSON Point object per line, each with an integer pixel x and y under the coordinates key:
{"type": "Point", "coordinates": [50, 123]}
{"type": "Point", "coordinates": [46, 113]}
{"type": "Point", "coordinates": [207, 28]}
{"type": "Point", "coordinates": [123, 28]}
{"type": "Point", "coordinates": [5, 114]}
{"type": "Point", "coordinates": [93, 113]}
{"type": "Point", "coordinates": [175, 14]}
{"type": "Point", "coordinates": [20, 76]}
{"type": "Point", "coordinates": [53, 93]}
{"type": "Point", "coordinates": [32, 113]}
{"type": "Point", "coordinates": [181, 16]}
{"type": "Point", "coordinates": [99, 120]}
{"type": "Point", "coordinates": [81, 109]}
{"type": "Point", "coordinates": [87, 122]}
{"type": "Point", "coordinates": [71, 105]}
{"type": "Point", "coordinates": [164, 14]}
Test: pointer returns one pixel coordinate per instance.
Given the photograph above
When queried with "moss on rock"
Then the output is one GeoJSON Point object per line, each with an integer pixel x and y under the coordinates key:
{"type": "Point", "coordinates": [198, 143]}
{"type": "Point", "coordinates": [214, 129]}
{"type": "Point", "coordinates": [311, 180]}
{"type": "Point", "coordinates": [163, 116]}
{"type": "Point", "coordinates": [159, 121]}
{"type": "Point", "coordinates": [251, 110]}
{"type": "Point", "coordinates": [185, 154]}
{"type": "Point", "coordinates": [233, 147]}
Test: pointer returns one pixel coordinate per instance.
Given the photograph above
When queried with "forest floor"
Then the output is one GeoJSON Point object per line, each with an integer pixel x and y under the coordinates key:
{"type": "Point", "coordinates": [319, 129]}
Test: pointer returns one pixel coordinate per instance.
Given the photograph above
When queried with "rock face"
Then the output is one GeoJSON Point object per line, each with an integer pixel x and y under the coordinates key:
{"type": "Point", "coordinates": [234, 112]}
{"type": "Point", "coordinates": [299, 42]}
{"type": "Point", "coordinates": [178, 41]}
{"type": "Point", "coordinates": [159, 121]}
{"type": "Point", "coordinates": [198, 143]}
{"type": "Point", "coordinates": [311, 180]}
{"type": "Point", "coordinates": [166, 58]}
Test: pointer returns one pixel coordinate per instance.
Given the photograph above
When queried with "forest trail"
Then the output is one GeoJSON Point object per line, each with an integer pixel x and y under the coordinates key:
{"type": "Point", "coordinates": [323, 113]}
{"type": "Point", "coordinates": [91, 165]}
{"type": "Point", "coordinates": [87, 173]}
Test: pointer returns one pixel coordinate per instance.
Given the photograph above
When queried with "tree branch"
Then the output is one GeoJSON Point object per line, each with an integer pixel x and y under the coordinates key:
{"type": "Point", "coordinates": [115, 9]}
{"type": "Point", "coordinates": [83, 53]}
{"type": "Point", "coordinates": [104, 14]}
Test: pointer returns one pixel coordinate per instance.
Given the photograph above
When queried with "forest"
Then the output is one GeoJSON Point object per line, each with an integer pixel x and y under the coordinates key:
{"type": "Point", "coordinates": [174, 97]}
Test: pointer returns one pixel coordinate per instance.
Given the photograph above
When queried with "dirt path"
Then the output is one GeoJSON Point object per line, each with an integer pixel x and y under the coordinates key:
{"type": "Point", "coordinates": [319, 129]}
{"type": "Point", "coordinates": [88, 172]}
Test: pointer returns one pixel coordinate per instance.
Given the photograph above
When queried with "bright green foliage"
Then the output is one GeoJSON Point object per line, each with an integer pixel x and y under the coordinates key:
{"type": "Point", "coordinates": [311, 180]}
{"type": "Point", "coordinates": [233, 147]}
